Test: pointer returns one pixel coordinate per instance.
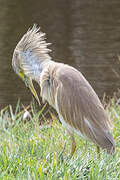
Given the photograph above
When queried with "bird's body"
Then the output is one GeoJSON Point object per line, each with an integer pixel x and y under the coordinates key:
{"type": "Point", "coordinates": [65, 89]}
{"type": "Point", "coordinates": [76, 103]}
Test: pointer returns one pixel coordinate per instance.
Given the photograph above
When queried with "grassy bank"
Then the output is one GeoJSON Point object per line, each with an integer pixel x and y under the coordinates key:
{"type": "Point", "coordinates": [29, 151]}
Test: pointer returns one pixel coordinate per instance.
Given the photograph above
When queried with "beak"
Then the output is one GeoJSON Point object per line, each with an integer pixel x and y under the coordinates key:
{"type": "Point", "coordinates": [29, 84]}
{"type": "Point", "coordinates": [31, 87]}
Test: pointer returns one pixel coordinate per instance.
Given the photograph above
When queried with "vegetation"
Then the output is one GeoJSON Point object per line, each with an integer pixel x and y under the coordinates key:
{"type": "Point", "coordinates": [31, 151]}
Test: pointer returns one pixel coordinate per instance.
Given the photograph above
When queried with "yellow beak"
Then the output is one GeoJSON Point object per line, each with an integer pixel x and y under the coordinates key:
{"type": "Point", "coordinates": [33, 90]}
{"type": "Point", "coordinates": [29, 84]}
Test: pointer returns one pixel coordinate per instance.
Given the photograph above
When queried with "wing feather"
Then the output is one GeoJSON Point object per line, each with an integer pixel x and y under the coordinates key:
{"type": "Point", "coordinates": [81, 108]}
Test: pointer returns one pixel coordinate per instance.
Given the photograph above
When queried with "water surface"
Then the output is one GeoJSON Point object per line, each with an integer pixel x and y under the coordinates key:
{"type": "Point", "coordinates": [84, 34]}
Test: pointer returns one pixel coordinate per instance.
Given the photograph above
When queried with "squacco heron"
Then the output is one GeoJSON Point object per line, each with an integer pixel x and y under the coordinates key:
{"type": "Point", "coordinates": [64, 88]}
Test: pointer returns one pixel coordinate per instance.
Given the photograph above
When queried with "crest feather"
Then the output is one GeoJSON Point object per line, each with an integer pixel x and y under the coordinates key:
{"type": "Point", "coordinates": [34, 40]}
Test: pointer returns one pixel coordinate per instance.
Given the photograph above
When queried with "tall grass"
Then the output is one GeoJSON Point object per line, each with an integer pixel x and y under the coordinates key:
{"type": "Point", "coordinates": [30, 151]}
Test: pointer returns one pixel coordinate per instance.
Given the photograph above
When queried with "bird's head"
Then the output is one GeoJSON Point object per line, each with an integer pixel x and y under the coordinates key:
{"type": "Point", "coordinates": [17, 66]}
{"type": "Point", "coordinates": [30, 52]}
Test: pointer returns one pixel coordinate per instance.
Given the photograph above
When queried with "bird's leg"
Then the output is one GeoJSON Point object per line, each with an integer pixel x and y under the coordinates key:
{"type": "Point", "coordinates": [73, 144]}
{"type": "Point", "coordinates": [98, 151]}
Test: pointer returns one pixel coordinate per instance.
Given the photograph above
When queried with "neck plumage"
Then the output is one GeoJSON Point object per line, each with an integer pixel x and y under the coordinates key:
{"type": "Point", "coordinates": [33, 64]}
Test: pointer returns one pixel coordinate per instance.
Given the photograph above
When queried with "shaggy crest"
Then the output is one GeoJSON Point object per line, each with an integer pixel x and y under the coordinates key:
{"type": "Point", "coordinates": [34, 41]}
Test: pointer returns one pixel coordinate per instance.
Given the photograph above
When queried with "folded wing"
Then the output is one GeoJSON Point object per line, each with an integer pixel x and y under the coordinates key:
{"type": "Point", "coordinates": [81, 108]}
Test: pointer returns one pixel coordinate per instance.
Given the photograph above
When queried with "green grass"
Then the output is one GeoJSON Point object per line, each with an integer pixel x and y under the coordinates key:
{"type": "Point", "coordinates": [29, 151]}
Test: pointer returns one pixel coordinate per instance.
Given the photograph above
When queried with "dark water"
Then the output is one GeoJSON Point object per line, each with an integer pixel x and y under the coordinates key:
{"type": "Point", "coordinates": [85, 34]}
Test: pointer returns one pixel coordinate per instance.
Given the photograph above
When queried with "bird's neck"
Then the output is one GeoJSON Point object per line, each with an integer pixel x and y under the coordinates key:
{"type": "Point", "coordinates": [34, 64]}
{"type": "Point", "coordinates": [42, 66]}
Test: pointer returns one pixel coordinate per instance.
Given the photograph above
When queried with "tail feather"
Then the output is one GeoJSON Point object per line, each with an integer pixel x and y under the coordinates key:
{"type": "Point", "coordinates": [105, 141]}
{"type": "Point", "coordinates": [102, 139]}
